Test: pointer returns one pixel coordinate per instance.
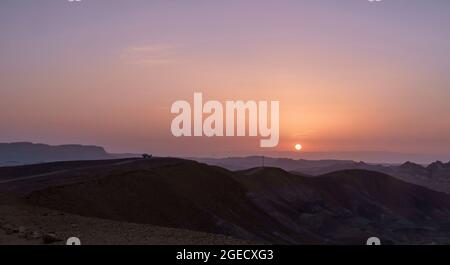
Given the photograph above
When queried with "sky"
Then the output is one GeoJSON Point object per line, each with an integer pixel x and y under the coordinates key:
{"type": "Point", "coordinates": [351, 76]}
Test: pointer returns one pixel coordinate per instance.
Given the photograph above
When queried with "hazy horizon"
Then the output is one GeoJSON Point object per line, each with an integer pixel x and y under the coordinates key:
{"type": "Point", "coordinates": [375, 157]}
{"type": "Point", "coordinates": [352, 77]}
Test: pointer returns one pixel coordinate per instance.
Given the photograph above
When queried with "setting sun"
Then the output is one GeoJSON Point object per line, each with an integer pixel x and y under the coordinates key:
{"type": "Point", "coordinates": [298, 147]}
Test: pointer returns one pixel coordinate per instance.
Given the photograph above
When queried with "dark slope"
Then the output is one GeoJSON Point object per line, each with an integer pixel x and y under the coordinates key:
{"type": "Point", "coordinates": [436, 176]}
{"type": "Point", "coordinates": [168, 192]}
{"type": "Point", "coordinates": [267, 204]}
{"type": "Point", "coordinates": [35, 169]}
{"type": "Point", "coordinates": [410, 201]}
{"type": "Point", "coordinates": [347, 206]}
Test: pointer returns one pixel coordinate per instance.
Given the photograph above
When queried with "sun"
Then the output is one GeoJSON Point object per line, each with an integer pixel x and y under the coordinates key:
{"type": "Point", "coordinates": [298, 147]}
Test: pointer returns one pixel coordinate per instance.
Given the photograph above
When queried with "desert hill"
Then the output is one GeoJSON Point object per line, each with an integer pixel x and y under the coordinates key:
{"type": "Point", "coordinates": [261, 204]}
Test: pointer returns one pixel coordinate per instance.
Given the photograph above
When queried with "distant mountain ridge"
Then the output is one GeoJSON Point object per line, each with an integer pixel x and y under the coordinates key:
{"type": "Point", "coordinates": [435, 176]}
{"type": "Point", "coordinates": [21, 153]}
{"type": "Point", "coordinates": [288, 164]}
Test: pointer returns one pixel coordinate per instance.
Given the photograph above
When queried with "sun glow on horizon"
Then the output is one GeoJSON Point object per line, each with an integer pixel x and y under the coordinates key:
{"type": "Point", "coordinates": [298, 147]}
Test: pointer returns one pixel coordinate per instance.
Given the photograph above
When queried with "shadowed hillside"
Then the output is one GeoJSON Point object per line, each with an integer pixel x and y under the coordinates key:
{"type": "Point", "coordinates": [435, 176]}
{"type": "Point", "coordinates": [262, 204]}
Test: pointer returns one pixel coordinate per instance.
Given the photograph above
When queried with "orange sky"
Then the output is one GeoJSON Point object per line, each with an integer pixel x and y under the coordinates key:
{"type": "Point", "coordinates": [349, 77]}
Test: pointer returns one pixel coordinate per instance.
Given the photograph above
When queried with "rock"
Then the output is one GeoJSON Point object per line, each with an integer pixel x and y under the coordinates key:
{"type": "Point", "coordinates": [9, 229]}
{"type": "Point", "coordinates": [50, 238]}
{"type": "Point", "coordinates": [34, 235]}
{"type": "Point", "coordinates": [23, 231]}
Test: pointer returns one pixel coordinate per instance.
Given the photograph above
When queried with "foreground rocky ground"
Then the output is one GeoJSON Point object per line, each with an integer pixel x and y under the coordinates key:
{"type": "Point", "coordinates": [21, 224]}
